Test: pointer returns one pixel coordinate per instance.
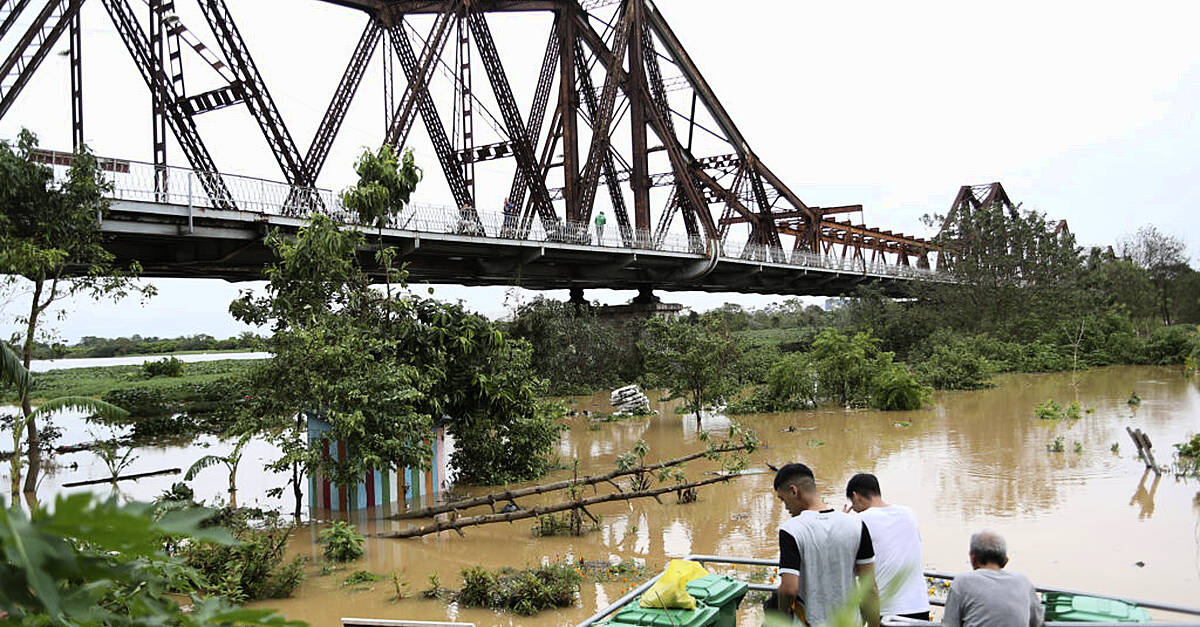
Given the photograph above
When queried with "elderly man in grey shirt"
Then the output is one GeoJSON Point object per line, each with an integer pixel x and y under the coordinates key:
{"type": "Point", "coordinates": [990, 595]}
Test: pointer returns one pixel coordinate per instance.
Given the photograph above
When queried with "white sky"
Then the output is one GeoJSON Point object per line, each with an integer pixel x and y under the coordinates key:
{"type": "Point", "coordinates": [1088, 111]}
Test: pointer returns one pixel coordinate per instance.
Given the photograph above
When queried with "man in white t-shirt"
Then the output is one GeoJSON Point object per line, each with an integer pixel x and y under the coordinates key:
{"type": "Point", "coordinates": [823, 554]}
{"type": "Point", "coordinates": [897, 542]}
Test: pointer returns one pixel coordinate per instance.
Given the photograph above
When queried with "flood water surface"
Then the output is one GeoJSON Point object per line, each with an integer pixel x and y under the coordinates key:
{"type": "Point", "coordinates": [1091, 520]}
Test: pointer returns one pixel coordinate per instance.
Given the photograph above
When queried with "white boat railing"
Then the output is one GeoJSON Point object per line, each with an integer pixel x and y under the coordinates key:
{"type": "Point", "coordinates": [613, 607]}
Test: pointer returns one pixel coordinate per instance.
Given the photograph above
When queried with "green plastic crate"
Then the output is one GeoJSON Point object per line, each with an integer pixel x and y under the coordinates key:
{"type": "Point", "coordinates": [1083, 609]}
{"type": "Point", "coordinates": [722, 592]}
{"type": "Point", "coordinates": [634, 614]}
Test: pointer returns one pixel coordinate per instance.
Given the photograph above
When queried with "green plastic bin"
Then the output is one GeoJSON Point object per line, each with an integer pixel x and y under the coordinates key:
{"type": "Point", "coordinates": [634, 614]}
{"type": "Point", "coordinates": [722, 592]}
{"type": "Point", "coordinates": [1083, 609]}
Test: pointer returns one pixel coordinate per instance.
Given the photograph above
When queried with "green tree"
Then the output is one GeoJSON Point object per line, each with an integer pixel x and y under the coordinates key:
{"type": "Point", "coordinates": [1013, 273]}
{"type": "Point", "coordinates": [1162, 256]}
{"type": "Point", "coordinates": [50, 236]}
{"type": "Point", "coordinates": [696, 361]}
{"type": "Point", "coordinates": [230, 461]}
{"type": "Point", "coordinates": [574, 349]}
{"type": "Point", "coordinates": [844, 365]}
{"type": "Point", "coordinates": [332, 358]}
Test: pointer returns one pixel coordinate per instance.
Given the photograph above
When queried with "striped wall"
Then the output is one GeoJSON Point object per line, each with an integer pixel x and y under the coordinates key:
{"type": "Point", "coordinates": [379, 487]}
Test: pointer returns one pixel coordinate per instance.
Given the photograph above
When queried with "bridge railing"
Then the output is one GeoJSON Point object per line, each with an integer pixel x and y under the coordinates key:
{"type": "Point", "coordinates": [139, 181]}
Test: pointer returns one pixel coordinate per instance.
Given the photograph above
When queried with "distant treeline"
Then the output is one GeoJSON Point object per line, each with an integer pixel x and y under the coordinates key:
{"type": "Point", "coordinates": [90, 346]}
{"type": "Point", "coordinates": [1024, 298]}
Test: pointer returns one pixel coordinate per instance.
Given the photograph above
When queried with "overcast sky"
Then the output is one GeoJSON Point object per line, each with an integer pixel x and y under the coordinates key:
{"type": "Point", "coordinates": [1088, 111]}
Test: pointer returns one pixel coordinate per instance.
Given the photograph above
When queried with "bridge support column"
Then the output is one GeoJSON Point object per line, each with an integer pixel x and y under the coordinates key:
{"type": "Point", "coordinates": [577, 298]}
{"type": "Point", "coordinates": [645, 296]}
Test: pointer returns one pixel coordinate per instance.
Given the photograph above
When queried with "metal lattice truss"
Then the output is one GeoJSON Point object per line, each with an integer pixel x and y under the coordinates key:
{"type": "Point", "coordinates": [621, 119]}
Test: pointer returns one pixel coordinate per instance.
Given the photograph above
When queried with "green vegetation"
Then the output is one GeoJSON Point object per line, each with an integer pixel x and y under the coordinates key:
{"type": "Point", "coordinates": [575, 350]}
{"type": "Point", "coordinates": [360, 579]}
{"type": "Point", "coordinates": [1189, 448]}
{"type": "Point", "coordinates": [165, 367]}
{"type": "Point", "coordinates": [251, 568]}
{"type": "Point", "coordinates": [14, 373]}
{"type": "Point", "coordinates": [1050, 409]}
{"type": "Point", "coordinates": [95, 563]}
{"type": "Point", "coordinates": [381, 368]}
{"type": "Point", "coordinates": [848, 370]}
{"type": "Point", "coordinates": [96, 382]}
{"type": "Point", "coordinates": [343, 543]}
{"type": "Point", "coordinates": [695, 361]}
{"type": "Point", "coordinates": [135, 345]}
{"type": "Point", "coordinates": [525, 592]}
{"type": "Point", "coordinates": [1057, 446]}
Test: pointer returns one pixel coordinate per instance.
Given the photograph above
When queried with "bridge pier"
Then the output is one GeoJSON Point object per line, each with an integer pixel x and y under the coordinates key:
{"type": "Point", "coordinates": [577, 298]}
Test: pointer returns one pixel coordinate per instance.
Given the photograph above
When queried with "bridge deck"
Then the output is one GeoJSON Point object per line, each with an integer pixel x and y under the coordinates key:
{"type": "Point", "coordinates": [180, 232]}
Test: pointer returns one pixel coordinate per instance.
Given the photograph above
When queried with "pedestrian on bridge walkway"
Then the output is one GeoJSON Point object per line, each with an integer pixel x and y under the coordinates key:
{"type": "Point", "coordinates": [600, 222]}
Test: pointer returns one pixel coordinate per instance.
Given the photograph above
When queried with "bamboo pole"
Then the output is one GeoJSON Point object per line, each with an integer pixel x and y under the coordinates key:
{"type": "Point", "coordinates": [510, 495]}
{"type": "Point", "coordinates": [140, 475]}
{"type": "Point", "coordinates": [580, 504]}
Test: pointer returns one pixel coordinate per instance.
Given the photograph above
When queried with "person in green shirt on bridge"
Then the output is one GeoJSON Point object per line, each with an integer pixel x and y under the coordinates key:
{"type": "Point", "coordinates": [600, 222]}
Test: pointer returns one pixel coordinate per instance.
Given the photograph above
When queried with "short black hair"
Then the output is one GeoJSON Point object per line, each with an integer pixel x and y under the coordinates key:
{"type": "Point", "coordinates": [863, 483]}
{"type": "Point", "coordinates": [789, 473]}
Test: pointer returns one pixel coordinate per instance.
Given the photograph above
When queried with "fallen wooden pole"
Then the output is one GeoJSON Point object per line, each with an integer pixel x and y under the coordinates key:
{"type": "Point", "coordinates": [580, 504]}
{"type": "Point", "coordinates": [140, 475]}
{"type": "Point", "coordinates": [1143, 444]}
{"type": "Point", "coordinates": [510, 495]}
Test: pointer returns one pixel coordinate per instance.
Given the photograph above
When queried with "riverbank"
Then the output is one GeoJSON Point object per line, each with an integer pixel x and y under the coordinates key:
{"type": "Point", "coordinates": [97, 381]}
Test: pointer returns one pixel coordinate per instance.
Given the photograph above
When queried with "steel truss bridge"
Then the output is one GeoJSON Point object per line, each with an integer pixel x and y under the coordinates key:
{"type": "Point", "coordinates": [619, 106]}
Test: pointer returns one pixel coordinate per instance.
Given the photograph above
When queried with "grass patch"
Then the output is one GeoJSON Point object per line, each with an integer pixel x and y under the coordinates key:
{"type": "Point", "coordinates": [525, 592]}
{"type": "Point", "coordinates": [95, 382]}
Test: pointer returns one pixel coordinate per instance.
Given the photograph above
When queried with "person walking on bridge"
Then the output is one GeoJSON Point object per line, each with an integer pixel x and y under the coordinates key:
{"type": "Point", "coordinates": [897, 542]}
{"type": "Point", "coordinates": [600, 222]}
{"type": "Point", "coordinates": [990, 595]}
{"type": "Point", "coordinates": [821, 553]}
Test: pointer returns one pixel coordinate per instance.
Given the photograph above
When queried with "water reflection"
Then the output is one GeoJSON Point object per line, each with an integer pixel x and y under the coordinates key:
{"type": "Point", "coordinates": [970, 460]}
{"type": "Point", "coordinates": [1143, 499]}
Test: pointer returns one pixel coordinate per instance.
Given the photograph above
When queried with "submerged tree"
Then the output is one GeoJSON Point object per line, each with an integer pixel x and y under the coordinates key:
{"type": "Point", "coordinates": [50, 236]}
{"type": "Point", "coordinates": [378, 368]}
{"type": "Point", "coordinates": [696, 361]}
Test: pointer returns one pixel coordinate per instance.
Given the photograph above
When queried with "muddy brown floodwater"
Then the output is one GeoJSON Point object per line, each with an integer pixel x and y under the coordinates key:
{"type": "Point", "coordinates": [971, 460]}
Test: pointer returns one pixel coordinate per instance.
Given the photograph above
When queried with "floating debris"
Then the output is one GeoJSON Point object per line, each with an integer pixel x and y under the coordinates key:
{"type": "Point", "coordinates": [630, 399]}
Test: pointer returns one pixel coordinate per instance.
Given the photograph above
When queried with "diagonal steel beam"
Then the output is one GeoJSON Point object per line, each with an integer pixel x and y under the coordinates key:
{"type": "Point", "coordinates": [537, 110]}
{"type": "Point", "coordinates": [603, 118]}
{"type": "Point", "coordinates": [417, 98]}
{"type": "Point", "coordinates": [522, 144]}
{"type": "Point", "coordinates": [611, 178]}
{"type": "Point", "coordinates": [14, 11]}
{"type": "Point", "coordinates": [33, 47]}
{"type": "Point", "coordinates": [257, 97]}
{"type": "Point", "coordinates": [418, 72]}
{"type": "Point", "coordinates": [335, 114]}
{"type": "Point", "coordinates": [183, 126]}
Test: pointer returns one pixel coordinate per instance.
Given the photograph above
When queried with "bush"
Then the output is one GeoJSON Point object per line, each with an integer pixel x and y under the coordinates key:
{"type": "Point", "coordinates": [251, 570]}
{"type": "Point", "coordinates": [342, 542]}
{"type": "Point", "coordinates": [165, 367]}
{"type": "Point", "coordinates": [1190, 448]}
{"type": "Point", "coordinates": [140, 401]}
{"type": "Point", "coordinates": [1049, 410]}
{"type": "Point", "coordinates": [896, 389]}
{"type": "Point", "coordinates": [525, 592]}
{"type": "Point", "coordinates": [955, 365]}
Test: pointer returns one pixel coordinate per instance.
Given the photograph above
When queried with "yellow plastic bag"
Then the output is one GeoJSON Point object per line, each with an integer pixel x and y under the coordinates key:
{"type": "Point", "coordinates": [670, 591]}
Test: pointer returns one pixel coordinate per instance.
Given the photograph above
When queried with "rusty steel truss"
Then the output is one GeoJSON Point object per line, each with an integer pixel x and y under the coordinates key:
{"type": "Point", "coordinates": [621, 118]}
